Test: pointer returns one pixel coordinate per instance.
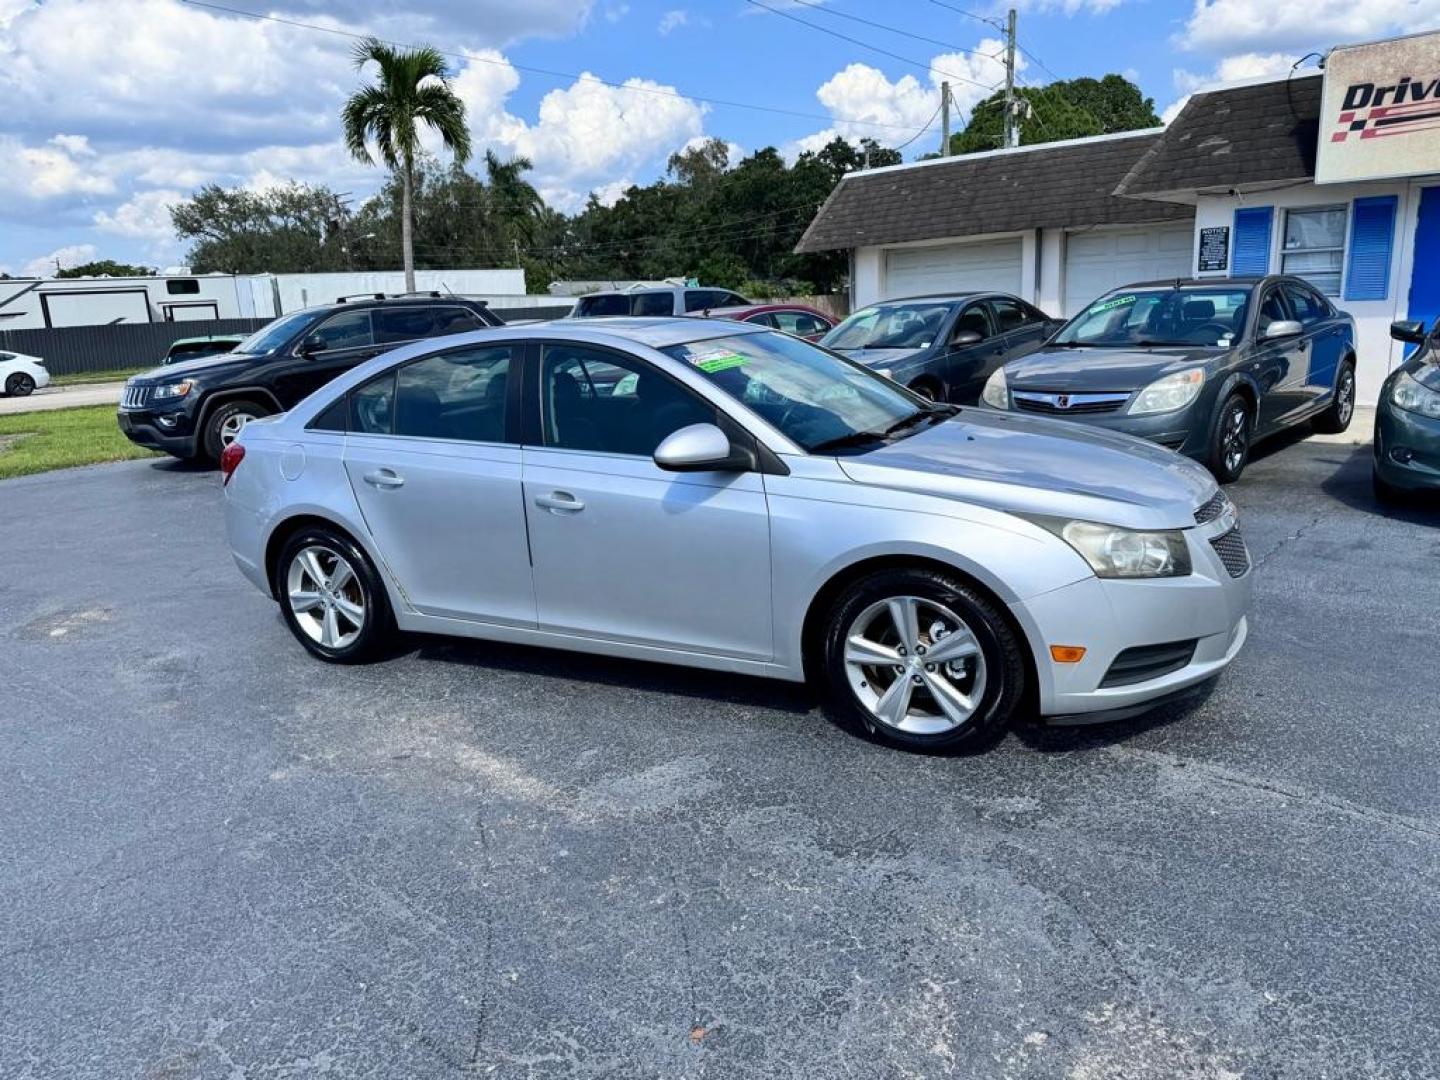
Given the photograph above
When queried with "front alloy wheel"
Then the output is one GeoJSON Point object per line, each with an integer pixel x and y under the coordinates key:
{"type": "Point", "coordinates": [921, 660]}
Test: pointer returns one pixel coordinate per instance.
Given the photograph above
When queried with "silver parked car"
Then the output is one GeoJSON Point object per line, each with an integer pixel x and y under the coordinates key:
{"type": "Point", "coordinates": [709, 493]}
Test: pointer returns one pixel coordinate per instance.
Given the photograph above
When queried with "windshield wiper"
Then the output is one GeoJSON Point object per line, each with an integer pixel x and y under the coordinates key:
{"type": "Point", "coordinates": [930, 413]}
{"type": "Point", "coordinates": [845, 442]}
{"type": "Point", "coordinates": [1071, 344]}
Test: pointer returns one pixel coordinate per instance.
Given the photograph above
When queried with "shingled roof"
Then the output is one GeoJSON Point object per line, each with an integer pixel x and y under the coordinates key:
{"type": "Point", "coordinates": [1233, 138]}
{"type": "Point", "coordinates": [1047, 186]}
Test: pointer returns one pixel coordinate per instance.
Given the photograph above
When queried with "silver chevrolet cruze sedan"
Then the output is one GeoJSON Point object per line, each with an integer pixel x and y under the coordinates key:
{"type": "Point", "coordinates": [729, 497]}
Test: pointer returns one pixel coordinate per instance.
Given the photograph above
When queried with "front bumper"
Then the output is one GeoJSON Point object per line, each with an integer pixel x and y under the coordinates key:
{"type": "Point", "coordinates": [1209, 608]}
{"type": "Point", "coordinates": [144, 429]}
{"type": "Point", "coordinates": [1407, 448]}
{"type": "Point", "coordinates": [1183, 430]}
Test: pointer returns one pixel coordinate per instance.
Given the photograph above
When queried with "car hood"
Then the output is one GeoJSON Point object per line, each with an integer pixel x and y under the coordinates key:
{"type": "Point", "coordinates": [1035, 465]}
{"type": "Point", "coordinates": [1424, 368]}
{"type": "Point", "coordinates": [1077, 370]}
{"type": "Point", "coordinates": [205, 365]}
{"type": "Point", "coordinates": [879, 357]}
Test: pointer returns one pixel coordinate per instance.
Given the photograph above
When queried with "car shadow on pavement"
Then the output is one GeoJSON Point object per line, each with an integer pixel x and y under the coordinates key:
{"type": "Point", "coordinates": [609, 671]}
{"type": "Point", "coordinates": [1100, 735]}
{"type": "Point", "coordinates": [1350, 484]}
{"type": "Point", "coordinates": [168, 464]}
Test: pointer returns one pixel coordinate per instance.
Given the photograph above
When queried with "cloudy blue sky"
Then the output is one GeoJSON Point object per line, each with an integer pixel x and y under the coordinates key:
{"type": "Point", "coordinates": [114, 109]}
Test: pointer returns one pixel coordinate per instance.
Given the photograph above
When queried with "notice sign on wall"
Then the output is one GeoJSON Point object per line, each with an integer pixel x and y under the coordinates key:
{"type": "Point", "coordinates": [1215, 248]}
{"type": "Point", "coordinates": [1380, 111]}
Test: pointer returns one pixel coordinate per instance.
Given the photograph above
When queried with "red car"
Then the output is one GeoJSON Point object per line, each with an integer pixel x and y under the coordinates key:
{"type": "Point", "coordinates": [795, 319]}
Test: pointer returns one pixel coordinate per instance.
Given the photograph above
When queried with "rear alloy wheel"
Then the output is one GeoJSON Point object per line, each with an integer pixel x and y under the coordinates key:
{"type": "Point", "coordinates": [922, 661]}
{"type": "Point", "coordinates": [1230, 440]}
{"type": "Point", "coordinates": [331, 597]}
{"type": "Point", "coordinates": [19, 385]}
{"type": "Point", "coordinates": [225, 424]}
{"type": "Point", "coordinates": [1337, 417]}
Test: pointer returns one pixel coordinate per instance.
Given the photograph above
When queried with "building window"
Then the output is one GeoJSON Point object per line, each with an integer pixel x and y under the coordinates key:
{"type": "Point", "coordinates": [1314, 246]}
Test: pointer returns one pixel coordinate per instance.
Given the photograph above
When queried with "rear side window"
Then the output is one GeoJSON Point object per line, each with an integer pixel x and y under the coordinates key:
{"type": "Point", "coordinates": [372, 406]}
{"type": "Point", "coordinates": [655, 303]}
{"type": "Point", "coordinates": [332, 418]}
{"type": "Point", "coordinates": [1009, 315]}
{"type": "Point", "coordinates": [700, 299]}
{"type": "Point", "coordinates": [402, 324]}
{"type": "Point", "coordinates": [454, 395]}
{"type": "Point", "coordinates": [605, 304]}
{"type": "Point", "coordinates": [456, 320]}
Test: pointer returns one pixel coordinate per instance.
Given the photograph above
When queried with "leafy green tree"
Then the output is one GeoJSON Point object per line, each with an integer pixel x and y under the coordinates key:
{"type": "Point", "coordinates": [1067, 109]}
{"type": "Point", "coordinates": [414, 90]}
{"type": "Point", "coordinates": [297, 228]}
{"type": "Point", "coordinates": [105, 268]}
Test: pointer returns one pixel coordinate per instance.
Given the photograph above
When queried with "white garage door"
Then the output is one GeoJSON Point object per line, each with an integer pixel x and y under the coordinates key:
{"type": "Point", "coordinates": [1096, 262]}
{"type": "Point", "coordinates": [952, 268]}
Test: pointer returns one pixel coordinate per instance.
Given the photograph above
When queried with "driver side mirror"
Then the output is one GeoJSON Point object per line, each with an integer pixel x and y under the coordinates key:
{"type": "Point", "coordinates": [702, 448]}
{"type": "Point", "coordinates": [313, 343]}
{"type": "Point", "coordinates": [1282, 328]}
{"type": "Point", "coordinates": [963, 338]}
{"type": "Point", "coordinates": [1408, 330]}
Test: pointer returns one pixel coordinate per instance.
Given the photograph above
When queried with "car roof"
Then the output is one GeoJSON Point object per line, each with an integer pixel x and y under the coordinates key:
{"type": "Point", "coordinates": [370, 301]}
{"type": "Point", "coordinates": [755, 309]}
{"type": "Point", "coordinates": [1191, 283]}
{"type": "Point", "coordinates": [657, 332]}
{"type": "Point", "coordinates": [207, 339]}
{"type": "Point", "coordinates": [959, 295]}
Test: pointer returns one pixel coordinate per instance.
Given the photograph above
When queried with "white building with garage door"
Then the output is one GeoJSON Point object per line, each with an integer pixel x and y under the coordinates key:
{"type": "Point", "coordinates": [1041, 222]}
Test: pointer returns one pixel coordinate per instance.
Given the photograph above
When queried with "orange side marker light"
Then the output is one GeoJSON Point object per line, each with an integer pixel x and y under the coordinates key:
{"type": "Point", "coordinates": [1067, 654]}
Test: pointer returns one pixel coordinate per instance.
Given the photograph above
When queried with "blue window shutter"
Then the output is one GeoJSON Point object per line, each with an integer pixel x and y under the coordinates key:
{"type": "Point", "coordinates": [1251, 257]}
{"type": "Point", "coordinates": [1372, 240]}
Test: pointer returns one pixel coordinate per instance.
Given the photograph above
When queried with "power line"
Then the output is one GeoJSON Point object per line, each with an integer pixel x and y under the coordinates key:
{"type": "Point", "coordinates": [892, 29]}
{"type": "Point", "coordinates": [549, 72]}
{"type": "Point", "coordinates": [864, 44]}
{"type": "Point", "coordinates": [928, 125]}
{"type": "Point", "coordinates": [970, 14]}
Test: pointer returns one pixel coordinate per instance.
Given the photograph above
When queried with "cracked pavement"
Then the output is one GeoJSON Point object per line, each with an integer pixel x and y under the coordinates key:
{"type": "Point", "coordinates": [219, 858]}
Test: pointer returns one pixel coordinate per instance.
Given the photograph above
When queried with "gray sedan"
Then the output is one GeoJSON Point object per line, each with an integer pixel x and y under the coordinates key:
{"type": "Point", "coordinates": [1203, 367]}
{"type": "Point", "coordinates": [708, 493]}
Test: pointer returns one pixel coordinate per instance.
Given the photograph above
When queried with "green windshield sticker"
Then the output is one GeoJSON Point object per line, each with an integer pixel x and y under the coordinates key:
{"type": "Point", "coordinates": [710, 365]}
{"type": "Point", "coordinates": [1119, 301]}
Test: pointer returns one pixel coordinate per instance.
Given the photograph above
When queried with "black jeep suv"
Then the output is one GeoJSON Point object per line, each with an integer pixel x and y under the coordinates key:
{"type": "Point", "coordinates": [196, 408]}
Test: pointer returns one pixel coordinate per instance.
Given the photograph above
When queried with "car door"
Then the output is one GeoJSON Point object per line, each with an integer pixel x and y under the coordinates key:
{"type": "Point", "coordinates": [1325, 335]}
{"type": "Point", "coordinates": [622, 549]}
{"type": "Point", "coordinates": [331, 348]}
{"type": "Point", "coordinates": [965, 367]}
{"type": "Point", "coordinates": [433, 457]}
{"type": "Point", "coordinates": [1280, 365]}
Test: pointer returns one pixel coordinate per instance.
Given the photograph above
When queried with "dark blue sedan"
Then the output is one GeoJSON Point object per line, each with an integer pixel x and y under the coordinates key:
{"type": "Point", "coordinates": [945, 346]}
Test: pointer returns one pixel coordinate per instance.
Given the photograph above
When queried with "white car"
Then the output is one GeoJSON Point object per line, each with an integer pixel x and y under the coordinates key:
{"type": "Point", "coordinates": [21, 374]}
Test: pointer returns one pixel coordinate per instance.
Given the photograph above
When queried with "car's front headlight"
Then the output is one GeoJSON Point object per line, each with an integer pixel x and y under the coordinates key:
{"type": "Point", "coordinates": [997, 391]}
{"type": "Point", "coordinates": [171, 391]}
{"type": "Point", "coordinates": [1113, 552]}
{"type": "Point", "coordinates": [1170, 393]}
{"type": "Point", "coordinates": [1410, 394]}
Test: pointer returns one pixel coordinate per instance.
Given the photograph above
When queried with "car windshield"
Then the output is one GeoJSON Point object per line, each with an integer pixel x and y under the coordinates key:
{"type": "Point", "coordinates": [1206, 316]}
{"type": "Point", "coordinates": [890, 326]}
{"type": "Point", "coordinates": [274, 334]}
{"type": "Point", "coordinates": [820, 401]}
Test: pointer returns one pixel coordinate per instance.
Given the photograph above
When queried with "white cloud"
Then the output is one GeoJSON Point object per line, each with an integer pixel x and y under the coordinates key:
{"type": "Point", "coordinates": [63, 257]}
{"type": "Point", "coordinates": [146, 216]}
{"type": "Point", "coordinates": [673, 20]}
{"type": "Point", "coordinates": [1070, 7]}
{"type": "Point", "coordinates": [615, 12]}
{"type": "Point", "coordinates": [57, 168]}
{"type": "Point", "coordinates": [1228, 26]}
{"type": "Point", "coordinates": [1231, 69]}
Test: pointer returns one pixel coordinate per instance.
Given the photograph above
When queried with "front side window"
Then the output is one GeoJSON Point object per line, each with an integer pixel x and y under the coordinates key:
{"type": "Point", "coordinates": [1308, 307]}
{"type": "Point", "coordinates": [653, 304]}
{"type": "Point", "coordinates": [891, 326]}
{"type": "Point", "coordinates": [816, 398]}
{"type": "Point", "coordinates": [1272, 309]}
{"type": "Point", "coordinates": [799, 323]}
{"type": "Point", "coordinates": [348, 330]}
{"type": "Point", "coordinates": [1314, 247]}
{"type": "Point", "coordinates": [454, 395]}
{"type": "Point", "coordinates": [398, 324]}
{"type": "Point", "coordinates": [1207, 316]}
{"type": "Point", "coordinates": [273, 335]}
{"type": "Point", "coordinates": [605, 402]}
{"type": "Point", "coordinates": [972, 321]}
{"type": "Point", "coordinates": [604, 304]}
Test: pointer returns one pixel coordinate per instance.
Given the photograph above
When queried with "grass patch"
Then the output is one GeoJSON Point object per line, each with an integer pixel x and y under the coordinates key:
{"type": "Point", "coordinates": [62, 439]}
{"type": "Point", "coordinates": [80, 378]}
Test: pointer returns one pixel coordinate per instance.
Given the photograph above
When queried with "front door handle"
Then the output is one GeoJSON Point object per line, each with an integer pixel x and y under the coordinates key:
{"type": "Point", "coordinates": [559, 502]}
{"type": "Point", "coordinates": [384, 478]}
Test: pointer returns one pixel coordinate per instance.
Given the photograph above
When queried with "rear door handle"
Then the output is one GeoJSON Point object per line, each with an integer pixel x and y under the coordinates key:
{"type": "Point", "coordinates": [384, 478]}
{"type": "Point", "coordinates": [559, 502]}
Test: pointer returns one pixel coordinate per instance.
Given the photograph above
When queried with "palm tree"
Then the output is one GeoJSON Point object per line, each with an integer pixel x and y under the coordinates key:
{"type": "Point", "coordinates": [414, 89]}
{"type": "Point", "coordinates": [517, 205]}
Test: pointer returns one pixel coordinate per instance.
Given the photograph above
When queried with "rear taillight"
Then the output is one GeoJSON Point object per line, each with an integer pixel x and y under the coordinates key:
{"type": "Point", "coordinates": [230, 459]}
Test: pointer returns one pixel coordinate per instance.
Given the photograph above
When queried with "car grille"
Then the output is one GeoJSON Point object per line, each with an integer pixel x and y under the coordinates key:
{"type": "Point", "coordinates": [1232, 551]}
{"type": "Point", "coordinates": [1146, 662]}
{"type": "Point", "coordinates": [1212, 509]}
{"type": "Point", "coordinates": [135, 397]}
{"type": "Point", "coordinates": [1067, 404]}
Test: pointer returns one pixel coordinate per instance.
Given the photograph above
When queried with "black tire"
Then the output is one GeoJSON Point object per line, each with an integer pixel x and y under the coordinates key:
{"type": "Point", "coordinates": [363, 587]}
{"type": "Point", "coordinates": [19, 385]}
{"type": "Point", "coordinates": [1001, 649]}
{"type": "Point", "coordinates": [214, 438]}
{"type": "Point", "coordinates": [1337, 417]}
{"type": "Point", "coordinates": [1229, 443]}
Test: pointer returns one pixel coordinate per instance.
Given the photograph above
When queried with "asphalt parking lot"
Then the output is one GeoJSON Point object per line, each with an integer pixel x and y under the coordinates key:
{"type": "Point", "coordinates": [219, 858]}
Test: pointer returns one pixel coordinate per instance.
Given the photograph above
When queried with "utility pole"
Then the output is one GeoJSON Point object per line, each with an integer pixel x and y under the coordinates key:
{"type": "Point", "coordinates": [944, 119]}
{"type": "Point", "coordinates": [1012, 130]}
